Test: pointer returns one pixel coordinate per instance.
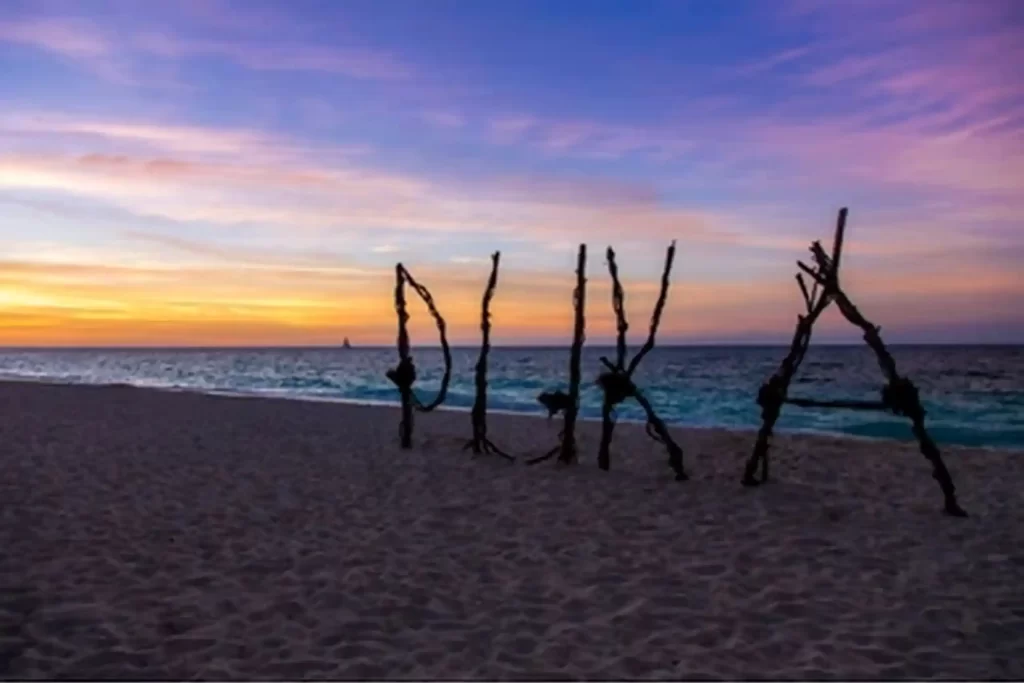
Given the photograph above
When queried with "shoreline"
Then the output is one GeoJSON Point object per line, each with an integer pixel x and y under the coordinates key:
{"type": "Point", "coordinates": [176, 535]}
{"type": "Point", "coordinates": [389, 346]}
{"type": "Point", "coordinates": [272, 395]}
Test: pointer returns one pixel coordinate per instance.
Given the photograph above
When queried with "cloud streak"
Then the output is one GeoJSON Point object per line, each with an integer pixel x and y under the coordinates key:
{"type": "Point", "coordinates": [66, 37]}
{"type": "Point", "coordinates": [299, 190]}
{"type": "Point", "coordinates": [352, 62]}
{"type": "Point", "coordinates": [105, 52]}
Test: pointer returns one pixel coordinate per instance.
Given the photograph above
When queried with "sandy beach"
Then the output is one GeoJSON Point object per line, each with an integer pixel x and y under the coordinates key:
{"type": "Point", "coordinates": [155, 535]}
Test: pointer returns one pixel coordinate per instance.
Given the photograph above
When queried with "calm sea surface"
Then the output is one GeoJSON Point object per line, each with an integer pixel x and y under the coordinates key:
{"type": "Point", "coordinates": [974, 395]}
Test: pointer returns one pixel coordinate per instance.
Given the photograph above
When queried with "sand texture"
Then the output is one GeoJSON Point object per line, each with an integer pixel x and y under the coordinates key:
{"type": "Point", "coordinates": [149, 534]}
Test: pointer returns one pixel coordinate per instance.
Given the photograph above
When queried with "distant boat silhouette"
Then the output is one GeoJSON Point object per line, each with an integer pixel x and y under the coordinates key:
{"type": "Point", "coordinates": [345, 344]}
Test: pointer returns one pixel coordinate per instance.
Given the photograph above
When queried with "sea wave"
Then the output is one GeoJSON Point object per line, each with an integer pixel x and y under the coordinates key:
{"type": "Point", "coordinates": [974, 396]}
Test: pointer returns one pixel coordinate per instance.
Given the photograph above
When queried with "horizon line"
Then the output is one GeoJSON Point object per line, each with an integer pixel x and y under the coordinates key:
{"type": "Point", "coordinates": [376, 347]}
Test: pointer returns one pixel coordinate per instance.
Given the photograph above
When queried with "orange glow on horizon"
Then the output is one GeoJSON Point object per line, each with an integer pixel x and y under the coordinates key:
{"type": "Point", "coordinates": [86, 305]}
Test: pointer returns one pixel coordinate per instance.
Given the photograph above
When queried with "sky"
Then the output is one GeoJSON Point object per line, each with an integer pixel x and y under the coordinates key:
{"type": "Point", "coordinates": [211, 172]}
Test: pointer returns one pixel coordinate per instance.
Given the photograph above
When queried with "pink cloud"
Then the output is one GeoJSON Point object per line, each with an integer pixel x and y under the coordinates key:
{"type": "Point", "coordinates": [926, 17]}
{"type": "Point", "coordinates": [898, 155]}
{"type": "Point", "coordinates": [67, 37]}
{"type": "Point", "coordinates": [173, 138]}
{"type": "Point", "coordinates": [84, 45]}
{"type": "Point", "coordinates": [242, 185]}
{"type": "Point", "coordinates": [228, 177]}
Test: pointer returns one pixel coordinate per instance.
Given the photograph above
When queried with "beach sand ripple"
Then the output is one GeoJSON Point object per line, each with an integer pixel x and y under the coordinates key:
{"type": "Point", "coordinates": [159, 535]}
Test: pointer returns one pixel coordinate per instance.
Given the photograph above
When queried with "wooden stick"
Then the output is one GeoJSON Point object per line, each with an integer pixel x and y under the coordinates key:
{"type": "Point", "coordinates": [803, 288]}
{"type": "Point", "coordinates": [608, 404]}
{"type": "Point", "coordinates": [675, 453]}
{"type": "Point", "coordinates": [903, 399]}
{"type": "Point", "coordinates": [815, 275]}
{"type": "Point", "coordinates": [773, 392]}
{"type": "Point", "coordinates": [404, 361]}
{"type": "Point", "coordinates": [579, 297]}
{"type": "Point", "coordinates": [546, 456]}
{"type": "Point", "coordinates": [607, 429]}
{"type": "Point", "coordinates": [445, 350]}
{"type": "Point", "coordinates": [837, 241]}
{"type": "Point", "coordinates": [619, 305]}
{"type": "Point", "coordinates": [480, 443]}
{"type": "Point", "coordinates": [825, 266]}
{"type": "Point", "coordinates": [659, 306]}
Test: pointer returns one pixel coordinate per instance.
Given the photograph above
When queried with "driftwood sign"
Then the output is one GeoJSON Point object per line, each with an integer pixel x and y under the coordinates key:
{"type": "Point", "coordinates": [899, 395]}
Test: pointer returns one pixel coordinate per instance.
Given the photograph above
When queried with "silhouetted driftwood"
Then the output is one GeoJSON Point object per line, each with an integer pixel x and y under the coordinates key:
{"type": "Point", "coordinates": [559, 401]}
{"type": "Point", "coordinates": [480, 443]}
{"type": "Point", "coordinates": [617, 381]}
{"type": "Point", "coordinates": [554, 401]}
{"type": "Point", "coordinates": [899, 395]}
{"type": "Point", "coordinates": [579, 298]}
{"type": "Point", "coordinates": [850, 405]}
{"type": "Point", "coordinates": [404, 374]}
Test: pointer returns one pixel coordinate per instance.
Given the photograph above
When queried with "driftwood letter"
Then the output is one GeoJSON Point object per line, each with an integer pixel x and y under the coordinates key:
{"type": "Point", "coordinates": [480, 443]}
{"type": "Point", "coordinates": [617, 381]}
{"type": "Point", "coordinates": [404, 374]}
{"type": "Point", "coordinates": [899, 396]}
{"type": "Point", "coordinates": [557, 401]}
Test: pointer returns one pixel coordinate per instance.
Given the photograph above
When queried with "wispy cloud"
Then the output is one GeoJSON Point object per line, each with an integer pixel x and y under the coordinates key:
{"type": "Point", "coordinates": [83, 45]}
{"type": "Point", "coordinates": [773, 61]}
{"type": "Point", "coordinates": [167, 138]}
{"type": "Point", "coordinates": [353, 62]}
{"type": "Point", "coordinates": [67, 37]}
{"type": "Point", "coordinates": [300, 189]}
{"type": "Point", "coordinates": [589, 139]}
{"type": "Point", "coordinates": [109, 55]}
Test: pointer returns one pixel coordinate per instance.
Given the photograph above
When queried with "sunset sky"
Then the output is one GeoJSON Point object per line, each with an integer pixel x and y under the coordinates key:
{"type": "Point", "coordinates": [208, 172]}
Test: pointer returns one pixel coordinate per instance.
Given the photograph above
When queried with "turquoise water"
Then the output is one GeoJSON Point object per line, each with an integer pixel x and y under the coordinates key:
{"type": "Point", "coordinates": [974, 395]}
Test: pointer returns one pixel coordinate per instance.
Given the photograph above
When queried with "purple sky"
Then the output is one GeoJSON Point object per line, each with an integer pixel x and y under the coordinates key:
{"type": "Point", "coordinates": [206, 171]}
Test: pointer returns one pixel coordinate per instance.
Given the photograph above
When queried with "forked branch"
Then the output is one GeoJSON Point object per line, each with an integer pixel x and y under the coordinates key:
{"type": "Point", "coordinates": [659, 307]}
{"type": "Point", "coordinates": [617, 382]}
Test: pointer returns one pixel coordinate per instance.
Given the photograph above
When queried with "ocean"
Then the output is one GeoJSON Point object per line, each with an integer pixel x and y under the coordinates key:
{"type": "Point", "coordinates": [974, 395]}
